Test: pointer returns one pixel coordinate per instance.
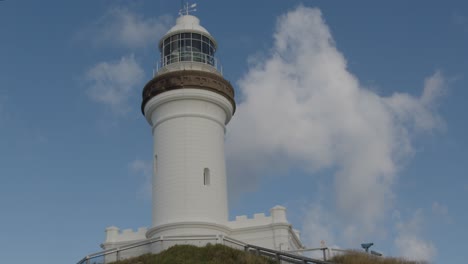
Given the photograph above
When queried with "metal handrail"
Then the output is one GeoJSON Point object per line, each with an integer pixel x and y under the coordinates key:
{"type": "Point", "coordinates": [143, 243]}
{"type": "Point", "coordinates": [278, 255]}
{"type": "Point", "coordinates": [189, 56]}
{"type": "Point", "coordinates": [281, 255]}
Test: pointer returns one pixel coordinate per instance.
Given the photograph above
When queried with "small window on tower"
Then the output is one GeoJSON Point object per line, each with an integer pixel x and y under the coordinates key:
{"type": "Point", "coordinates": [206, 176]}
{"type": "Point", "coordinates": [155, 164]}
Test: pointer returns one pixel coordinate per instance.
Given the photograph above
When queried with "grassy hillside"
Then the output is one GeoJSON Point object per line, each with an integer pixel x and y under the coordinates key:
{"type": "Point", "coordinates": [362, 258]}
{"type": "Point", "coordinates": [214, 254]}
{"type": "Point", "coordinates": [187, 254]}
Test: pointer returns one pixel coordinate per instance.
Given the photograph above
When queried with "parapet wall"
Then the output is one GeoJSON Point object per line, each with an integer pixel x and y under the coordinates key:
{"type": "Point", "coordinates": [114, 235]}
{"type": "Point", "coordinates": [277, 215]}
{"type": "Point", "coordinates": [273, 231]}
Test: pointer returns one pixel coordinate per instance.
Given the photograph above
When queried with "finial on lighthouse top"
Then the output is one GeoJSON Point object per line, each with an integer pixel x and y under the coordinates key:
{"type": "Point", "coordinates": [187, 9]}
{"type": "Point", "coordinates": [188, 22]}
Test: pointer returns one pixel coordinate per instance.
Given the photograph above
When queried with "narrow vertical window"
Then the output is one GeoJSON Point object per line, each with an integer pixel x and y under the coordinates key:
{"type": "Point", "coordinates": [155, 164]}
{"type": "Point", "coordinates": [206, 176]}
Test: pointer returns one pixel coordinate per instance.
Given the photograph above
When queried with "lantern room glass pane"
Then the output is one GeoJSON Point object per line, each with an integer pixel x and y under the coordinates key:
{"type": "Point", "coordinates": [194, 47]}
{"type": "Point", "coordinates": [174, 46]}
{"type": "Point", "coordinates": [186, 44]}
{"type": "Point", "coordinates": [167, 49]}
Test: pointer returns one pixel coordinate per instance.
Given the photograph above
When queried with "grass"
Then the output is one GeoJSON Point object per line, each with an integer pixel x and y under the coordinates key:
{"type": "Point", "coordinates": [362, 258]}
{"type": "Point", "coordinates": [214, 254]}
{"type": "Point", "coordinates": [188, 254]}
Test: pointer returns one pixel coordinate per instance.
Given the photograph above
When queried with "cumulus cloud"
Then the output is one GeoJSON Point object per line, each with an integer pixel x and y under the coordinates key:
{"type": "Point", "coordinates": [319, 227]}
{"type": "Point", "coordinates": [112, 82]}
{"type": "Point", "coordinates": [408, 241]}
{"type": "Point", "coordinates": [143, 168]}
{"type": "Point", "coordinates": [128, 29]}
{"type": "Point", "coordinates": [303, 108]}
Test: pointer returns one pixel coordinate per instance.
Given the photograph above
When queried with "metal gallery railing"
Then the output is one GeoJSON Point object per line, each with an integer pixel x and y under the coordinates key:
{"type": "Point", "coordinates": [189, 57]}
{"type": "Point", "coordinates": [161, 243]}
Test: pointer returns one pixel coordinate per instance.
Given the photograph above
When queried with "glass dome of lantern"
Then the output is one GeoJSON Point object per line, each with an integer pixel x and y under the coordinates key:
{"type": "Point", "coordinates": [188, 45]}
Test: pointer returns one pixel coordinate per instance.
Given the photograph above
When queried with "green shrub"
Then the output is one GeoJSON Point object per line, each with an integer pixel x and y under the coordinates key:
{"type": "Point", "coordinates": [188, 254]}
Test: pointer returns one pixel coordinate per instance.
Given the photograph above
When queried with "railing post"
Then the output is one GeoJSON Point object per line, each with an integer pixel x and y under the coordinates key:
{"type": "Point", "coordinates": [117, 254]}
{"type": "Point", "coordinates": [87, 259]}
{"type": "Point", "coordinates": [220, 239]}
{"type": "Point", "coordinates": [278, 259]}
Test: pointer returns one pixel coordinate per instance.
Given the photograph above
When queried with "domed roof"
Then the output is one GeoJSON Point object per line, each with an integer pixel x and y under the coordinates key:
{"type": "Point", "coordinates": [188, 23]}
{"type": "Point", "coordinates": [185, 24]}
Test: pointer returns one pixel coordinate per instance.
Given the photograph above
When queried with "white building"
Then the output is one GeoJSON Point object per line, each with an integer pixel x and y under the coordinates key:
{"type": "Point", "coordinates": [188, 104]}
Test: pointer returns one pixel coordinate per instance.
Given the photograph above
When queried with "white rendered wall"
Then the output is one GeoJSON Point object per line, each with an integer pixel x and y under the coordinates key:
{"type": "Point", "coordinates": [188, 132]}
{"type": "Point", "coordinates": [274, 231]}
{"type": "Point", "coordinates": [114, 235]}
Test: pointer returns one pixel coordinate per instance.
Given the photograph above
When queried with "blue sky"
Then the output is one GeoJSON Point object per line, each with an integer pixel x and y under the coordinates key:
{"type": "Point", "coordinates": [350, 114]}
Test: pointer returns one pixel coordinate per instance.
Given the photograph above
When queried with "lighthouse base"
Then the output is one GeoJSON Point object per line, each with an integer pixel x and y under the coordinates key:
{"type": "Point", "coordinates": [187, 229]}
{"type": "Point", "coordinates": [272, 232]}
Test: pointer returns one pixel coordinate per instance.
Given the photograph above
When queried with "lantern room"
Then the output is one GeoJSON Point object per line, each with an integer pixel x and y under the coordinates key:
{"type": "Point", "coordinates": [188, 41]}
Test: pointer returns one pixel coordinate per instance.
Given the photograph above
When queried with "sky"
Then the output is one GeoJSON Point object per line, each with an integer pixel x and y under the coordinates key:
{"type": "Point", "coordinates": [349, 113]}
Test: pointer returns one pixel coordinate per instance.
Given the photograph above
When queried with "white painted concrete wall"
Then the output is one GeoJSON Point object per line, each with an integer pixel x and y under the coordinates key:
{"type": "Point", "coordinates": [188, 131]}
{"type": "Point", "coordinates": [274, 231]}
{"type": "Point", "coordinates": [115, 235]}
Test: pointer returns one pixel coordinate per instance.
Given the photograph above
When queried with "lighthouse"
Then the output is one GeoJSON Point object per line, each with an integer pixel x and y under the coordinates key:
{"type": "Point", "coordinates": [188, 104]}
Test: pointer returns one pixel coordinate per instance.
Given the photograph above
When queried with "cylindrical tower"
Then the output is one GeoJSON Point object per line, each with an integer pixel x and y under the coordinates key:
{"type": "Point", "coordinates": [188, 103]}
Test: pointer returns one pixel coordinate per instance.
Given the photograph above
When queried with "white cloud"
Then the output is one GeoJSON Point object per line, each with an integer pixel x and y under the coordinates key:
{"type": "Point", "coordinates": [318, 226]}
{"type": "Point", "coordinates": [302, 107]}
{"type": "Point", "coordinates": [112, 82]}
{"type": "Point", "coordinates": [416, 112]}
{"type": "Point", "coordinates": [125, 28]}
{"type": "Point", "coordinates": [408, 241]}
{"type": "Point", "coordinates": [143, 168]}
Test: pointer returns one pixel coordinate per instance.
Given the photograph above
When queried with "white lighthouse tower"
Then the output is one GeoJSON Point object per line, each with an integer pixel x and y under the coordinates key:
{"type": "Point", "coordinates": [187, 104]}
